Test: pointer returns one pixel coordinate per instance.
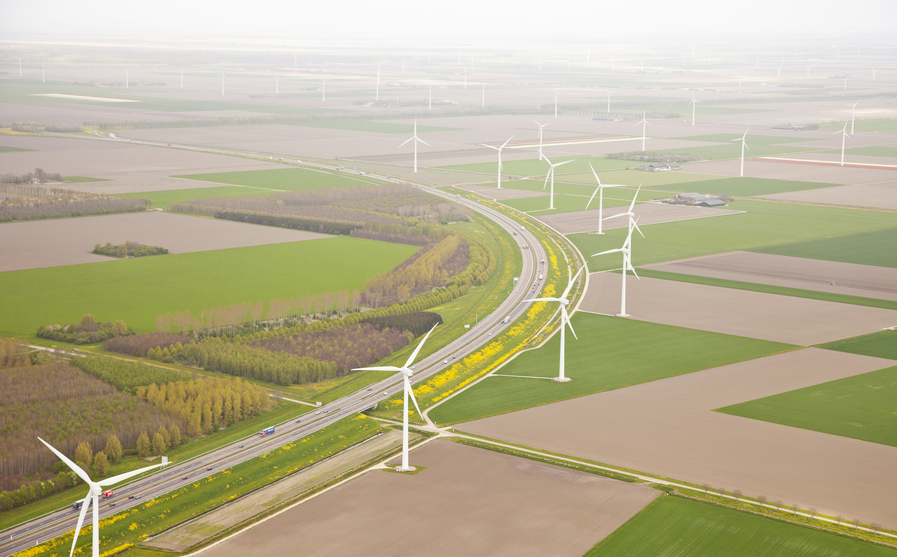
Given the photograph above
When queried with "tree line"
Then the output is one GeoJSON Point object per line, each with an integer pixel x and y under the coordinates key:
{"type": "Point", "coordinates": [128, 249]}
{"type": "Point", "coordinates": [38, 175]}
{"type": "Point", "coordinates": [74, 205]}
{"type": "Point", "coordinates": [15, 353]}
{"type": "Point", "coordinates": [86, 331]}
{"type": "Point", "coordinates": [127, 376]}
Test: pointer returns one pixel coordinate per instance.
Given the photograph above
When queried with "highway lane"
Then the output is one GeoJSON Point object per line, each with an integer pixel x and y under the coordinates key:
{"type": "Point", "coordinates": [177, 475]}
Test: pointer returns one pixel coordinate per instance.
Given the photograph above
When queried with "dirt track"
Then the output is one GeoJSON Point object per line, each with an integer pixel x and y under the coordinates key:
{"type": "Point", "coordinates": [792, 272]}
{"type": "Point", "coordinates": [735, 312]}
{"type": "Point", "coordinates": [52, 243]}
{"type": "Point", "coordinates": [647, 213]}
{"type": "Point", "coordinates": [667, 427]}
{"type": "Point", "coordinates": [467, 501]}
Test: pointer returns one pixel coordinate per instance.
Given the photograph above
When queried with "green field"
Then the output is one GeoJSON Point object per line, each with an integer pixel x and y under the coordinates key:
{"type": "Point", "coordinates": [872, 248]}
{"type": "Point", "coordinates": [733, 150]}
{"type": "Point", "coordinates": [5, 149]}
{"type": "Point", "coordinates": [610, 354]}
{"type": "Point", "coordinates": [882, 344]}
{"type": "Point", "coordinates": [374, 127]}
{"type": "Point", "coordinates": [284, 179]}
{"type": "Point", "coordinates": [861, 407]}
{"type": "Point", "coordinates": [754, 139]}
{"type": "Point", "coordinates": [535, 167]}
{"type": "Point", "coordinates": [137, 290]}
{"type": "Point", "coordinates": [653, 180]}
{"type": "Point", "coordinates": [884, 125]}
{"type": "Point", "coordinates": [761, 226]}
{"type": "Point", "coordinates": [569, 202]}
{"type": "Point", "coordinates": [743, 187]}
{"type": "Point", "coordinates": [678, 527]}
{"type": "Point", "coordinates": [81, 179]}
{"type": "Point", "coordinates": [872, 151]}
{"type": "Point", "coordinates": [163, 199]}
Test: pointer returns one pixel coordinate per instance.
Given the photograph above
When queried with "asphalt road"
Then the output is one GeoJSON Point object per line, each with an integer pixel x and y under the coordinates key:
{"type": "Point", "coordinates": [176, 475]}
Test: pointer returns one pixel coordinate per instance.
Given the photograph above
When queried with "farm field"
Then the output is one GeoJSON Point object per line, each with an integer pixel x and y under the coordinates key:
{"type": "Point", "coordinates": [652, 213]}
{"type": "Point", "coordinates": [535, 167]}
{"type": "Point", "coordinates": [860, 407]}
{"type": "Point", "coordinates": [835, 277]}
{"type": "Point", "coordinates": [883, 125]}
{"type": "Point", "coordinates": [761, 225]}
{"type": "Point", "coordinates": [622, 362]}
{"type": "Point", "coordinates": [162, 199]}
{"type": "Point", "coordinates": [375, 127]}
{"type": "Point", "coordinates": [284, 179]}
{"type": "Point", "coordinates": [648, 180]}
{"type": "Point", "coordinates": [743, 187]}
{"type": "Point", "coordinates": [484, 502]}
{"type": "Point", "coordinates": [191, 281]}
{"type": "Point", "coordinates": [759, 315]}
{"type": "Point", "coordinates": [569, 202]}
{"type": "Point", "coordinates": [872, 151]}
{"type": "Point", "coordinates": [674, 526]}
{"type": "Point", "coordinates": [668, 427]}
{"type": "Point", "coordinates": [874, 196]}
{"type": "Point", "coordinates": [57, 242]}
{"type": "Point", "coordinates": [755, 139]}
{"type": "Point", "coordinates": [882, 344]}
{"type": "Point", "coordinates": [870, 248]}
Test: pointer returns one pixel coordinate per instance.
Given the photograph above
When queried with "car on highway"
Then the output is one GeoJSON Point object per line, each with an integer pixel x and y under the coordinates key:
{"type": "Point", "coordinates": [297, 421]}
{"type": "Point", "coordinates": [208, 469]}
{"type": "Point", "coordinates": [318, 412]}
{"type": "Point", "coordinates": [241, 446]}
{"type": "Point", "coordinates": [184, 478]}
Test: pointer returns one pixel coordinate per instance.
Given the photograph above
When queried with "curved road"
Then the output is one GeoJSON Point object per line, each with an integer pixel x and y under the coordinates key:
{"type": "Point", "coordinates": [174, 476]}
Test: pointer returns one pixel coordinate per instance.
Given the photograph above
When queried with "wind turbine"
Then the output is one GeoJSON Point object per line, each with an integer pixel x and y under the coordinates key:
{"type": "Point", "coordinates": [126, 76]}
{"type": "Point", "coordinates": [626, 250]}
{"type": "Point", "coordinates": [378, 81]}
{"type": "Point", "coordinates": [844, 137]}
{"type": "Point", "coordinates": [484, 95]}
{"type": "Point", "coordinates": [222, 84]}
{"type": "Point", "coordinates": [182, 77]}
{"type": "Point", "coordinates": [465, 78]}
{"type": "Point", "coordinates": [694, 104]}
{"type": "Point", "coordinates": [845, 83]}
{"type": "Point", "coordinates": [644, 123]}
{"type": "Point", "coordinates": [600, 191]}
{"type": "Point", "coordinates": [93, 495]}
{"type": "Point", "coordinates": [565, 320]}
{"type": "Point", "coordinates": [540, 138]}
{"type": "Point", "coordinates": [551, 168]}
{"type": "Point", "coordinates": [629, 213]}
{"type": "Point", "coordinates": [276, 84]}
{"type": "Point", "coordinates": [415, 139]}
{"type": "Point", "coordinates": [853, 114]}
{"type": "Point", "coordinates": [323, 90]}
{"type": "Point", "coordinates": [499, 156]}
{"type": "Point", "coordinates": [430, 98]}
{"type": "Point", "coordinates": [43, 73]}
{"type": "Point", "coordinates": [20, 70]}
{"type": "Point", "coordinates": [608, 101]}
{"type": "Point", "coordinates": [407, 372]}
{"type": "Point", "coordinates": [556, 93]}
{"type": "Point", "coordinates": [743, 140]}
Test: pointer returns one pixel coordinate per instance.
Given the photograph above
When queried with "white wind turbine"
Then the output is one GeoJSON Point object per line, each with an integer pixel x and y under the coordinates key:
{"type": "Point", "coordinates": [276, 84]}
{"type": "Point", "coordinates": [93, 495]}
{"type": "Point", "coordinates": [182, 77]}
{"type": "Point", "coordinates": [20, 70]}
{"type": "Point", "coordinates": [600, 191]}
{"type": "Point", "coordinates": [743, 140]}
{"type": "Point", "coordinates": [415, 139]}
{"type": "Point", "coordinates": [626, 250]}
{"type": "Point", "coordinates": [465, 78]}
{"type": "Point", "coordinates": [608, 101]}
{"type": "Point", "coordinates": [556, 93]}
{"type": "Point", "coordinates": [499, 156]}
{"type": "Point", "coordinates": [565, 320]}
{"type": "Point", "coordinates": [644, 123]}
{"type": "Point", "coordinates": [323, 90]}
{"type": "Point", "coordinates": [694, 104]}
{"type": "Point", "coordinates": [407, 372]}
{"type": "Point", "coordinates": [853, 113]}
{"type": "Point", "coordinates": [126, 76]}
{"type": "Point", "coordinates": [845, 83]}
{"type": "Point", "coordinates": [222, 84]}
{"type": "Point", "coordinates": [540, 137]}
{"type": "Point", "coordinates": [378, 81]}
{"type": "Point", "coordinates": [43, 73]}
{"type": "Point", "coordinates": [844, 137]}
{"type": "Point", "coordinates": [551, 168]}
{"type": "Point", "coordinates": [430, 97]}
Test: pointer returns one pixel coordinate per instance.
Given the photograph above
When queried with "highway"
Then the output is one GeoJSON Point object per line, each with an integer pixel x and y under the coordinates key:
{"type": "Point", "coordinates": [176, 475]}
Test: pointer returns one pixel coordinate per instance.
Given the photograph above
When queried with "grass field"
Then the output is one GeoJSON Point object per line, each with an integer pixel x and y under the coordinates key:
{"type": "Point", "coordinates": [5, 149]}
{"type": "Point", "coordinates": [872, 151]}
{"type": "Point", "coordinates": [609, 354]}
{"type": "Point", "coordinates": [375, 127]}
{"type": "Point", "coordinates": [762, 226]}
{"type": "Point", "coordinates": [677, 527]}
{"type": "Point", "coordinates": [137, 290]}
{"type": "Point", "coordinates": [882, 344]}
{"type": "Point", "coordinates": [652, 180]}
{"type": "Point", "coordinates": [569, 202]}
{"type": "Point", "coordinates": [883, 125]}
{"type": "Point", "coordinates": [861, 407]}
{"type": "Point", "coordinates": [284, 179]}
{"type": "Point", "coordinates": [162, 199]}
{"type": "Point", "coordinates": [755, 139]}
{"type": "Point", "coordinates": [770, 289]}
{"type": "Point", "coordinates": [535, 167]}
{"type": "Point", "coordinates": [871, 248]}
{"type": "Point", "coordinates": [743, 187]}
{"type": "Point", "coordinates": [733, 150]}
{"type": "Point", "coordinates": [81, 179]}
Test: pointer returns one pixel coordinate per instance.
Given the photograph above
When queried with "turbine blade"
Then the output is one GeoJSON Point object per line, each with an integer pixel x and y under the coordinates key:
{"type": "Point", "coordinates": [77, 469]}
{"type": "Point", "coordinates": [378, 368]}
{"type": "Point", "coordinates": [411, 395]}
{"type": "Point", "coordinates": [547, 323]}
{"type": "Point", "coordinates": [543, 300]}
{"type": "Point", "coordinates": [506, 142]}
{"type": "Point", "coordinates": [81, 516]}
{"type": "Point", "coordinates": [635, 225]}
{"type": "Point", "coordinates": [548, 161]}
{"type": "Point", "coordinates": [122, 477]}
{"type": "Point", "coordinates": [547, 176]}
{"type": "Point", "coordinates": [569, 324]}
{"type": "Point", "coordinates": [631, 205]}
{"type": "Point", "coordinates": [404, 142]}
{"type": "Point", "coordinates": [419, 346]}
{"type": "Point", "coordinates": [615, 216]}
{"type": "Point", "coordinates": [562, 163]}
{"type": "Point", "coordinates": [570, 285]}
{"type": "Point", "coordinates": [595, 174]}
{"type": "Point", "coordinates": [593, 197]}
{"type": "Point", "coordinates": [631, 268]}
{"type": "Point", "coordinates": [422, 141]}
{"type": "Point", "coordinates": [490, 146]}
{"type": "Point", "coordinates": [606, 252]}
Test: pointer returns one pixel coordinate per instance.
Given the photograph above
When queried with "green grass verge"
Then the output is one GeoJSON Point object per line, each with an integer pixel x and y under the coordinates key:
{"type": "Point", "coordinates": [162, 199]}
{"type": "Point", "coordinates": [678, 527]}
{"type": "Point", "coordinates": [761, 226]}
{"type": "Point", "coordinates": [744, 187]}
{"type": "Point", "coordinates": [860, 407]}
{"type": "Point", "coordinates": [883, 125]}
{"type": "Point", "coordinates": [137, 290]}
{"type": "Point", "coordinates": [5, 149]}
{"type": "Point", "coordinates": [81, 179]}
{"type": "Point", "coordinates": [770, 289]}
{"type": "Point", "coordinates": [283, 412]}
{"type": "Point", "coordinates": [755, 139]}
{"type": "Point", "coordinates": [882, 344]}
{"type": "Point", "coordinates": [375, 127]}
{"type": "Point", "coordinates": [877, 248]}
{"type": "Point", "coordinates": [284, 179]}
{"type": "Point", "coordinates": [622, 361]}
{"type": "Point", "coordinates": [126, 528]}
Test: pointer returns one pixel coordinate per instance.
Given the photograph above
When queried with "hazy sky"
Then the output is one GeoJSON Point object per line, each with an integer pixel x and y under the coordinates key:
{"type": "Point", "coordinates": [522, 20]}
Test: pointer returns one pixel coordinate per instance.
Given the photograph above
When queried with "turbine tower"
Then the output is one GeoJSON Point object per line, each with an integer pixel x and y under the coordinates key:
{"type": "Point", "coordinates": [565, 320]}
{"type": "Point", "coordinates": [743, 140]}
{"type": "Point", "coordinates": [644, 123]}
{"type": "Point", "coordinates": [377, 98]}
{"type": "Point", "coordinates": [600, 191]}
{"type": "Point", "coordinates": [626, 250]}
{"type": "Point", "coordinates": [853, 113]}
{"type": "Point", "coordinates": [323, 90]}
{"type": "Point", "coordinates": [222, 84]}
{"type": "Point", "coordinates": [556, 93]}
{"type": "Point", "coordinates": [20, 70]}
{"type": "Point", "coordinates": [608, 101]}
{"type": "Point", "coordinates": [540, 138]}
{"type": "Point", "coordinates": [430, 98]}
{"type": "Point", "coordinates": [126, 76]}
{"type": "Point", "coordinates": [415, 139]}
{"type": "Point", "coordinates": [499, 156]}
{"type": "Point", "coordinates": [484, 95]}
{"type": "Point", "coordinates": [93, 495]}
{"type": "Point", "coordinates": [694, 104]}
{"type": "Point", "coordinates": [551, 168]}
{"type": "Point", "coordinates": [43, 73]}
{"type": "Point", "coordinates": [845, 83]}
{"type": "Point", "coordinates": [844, 137]}
{"type": "Point", "coordinates": [182, 77]}
{"type": "Point", "coordinates": [407, 372]}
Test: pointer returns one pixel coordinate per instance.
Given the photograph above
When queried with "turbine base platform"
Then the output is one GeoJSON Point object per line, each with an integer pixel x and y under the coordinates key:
{"type": "Point", "coordinates": [401, 469]}
{"type": "Point", "coordinates": [623, 315]}
{"type": "Point", "coordinates": [561, 379]}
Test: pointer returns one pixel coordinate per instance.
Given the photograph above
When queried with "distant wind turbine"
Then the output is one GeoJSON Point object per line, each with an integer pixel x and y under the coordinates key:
{"type": "Point", "coordinates": [845, 83]}
{"type": "Point", "coordinates": [484, 95]}
{"type": "Point", "coordinates": [407, 372]}
{"type": "Point", "coordinates": [43, 73]}
{"type": "Point", "coordinates": [222, 84]}
{"type": "Point", "coordinates": [430, 98]}
{"type": "Point", "coordinates": [93, 494]}
{"type": "Point", "coordinates": [556, 93]}
{"type": "Point", "coordinates": [323, 90]}
{"type": "Point", "coordinates": [550, 175]}
{"type": "Point", "coordinates": [276, 84]}
{"type": "Point", "coordinates": [694, 104]}
{"type": "Point", "coordinates": [126, 76]}
{"type": "Point", "coordinates": [644, 123]}
{"type": "Point", "coordinates": [565, 320]}
{"type": "Point", "coordinates": [378, 81]}
{"type": "Point", "coordinates": [626, 250]}
{"type": "Point", "coordinates": [415, 139]}
{"type": "Point", "coordinates": [853, 112]}
{"type": "Point", "coordinates": [540, 138]}
{"type": "Point", "coordinates": [182, 77]}
{"type": "Point", "coordinates": [743, 140]}
{"type": "Point", "coordinates": [600, 191]}
{"type": "Point", "coordinates": [844, 137]}
{"type": "Point", "coordinates": [499, 149]}
{"type": "Point", "coordinates": [20, 70]}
